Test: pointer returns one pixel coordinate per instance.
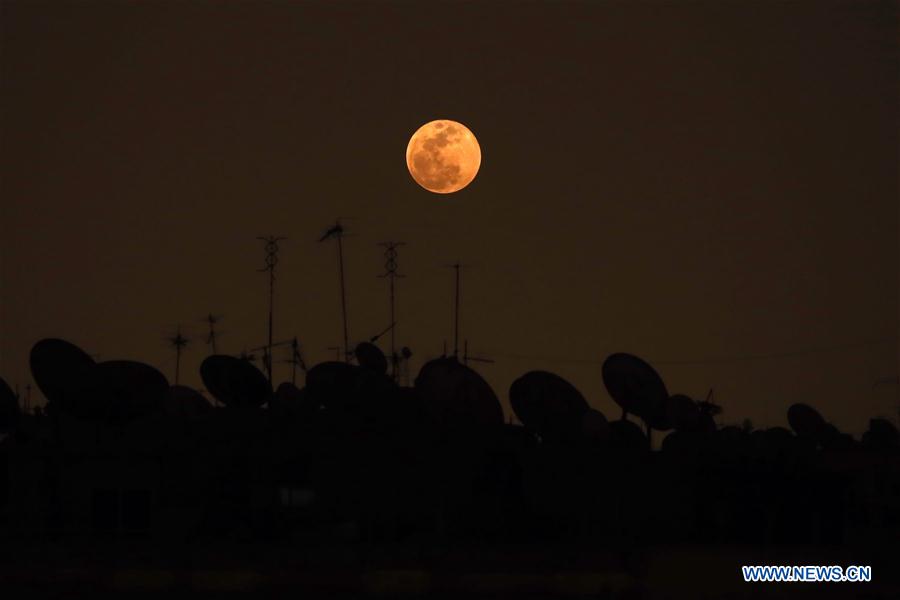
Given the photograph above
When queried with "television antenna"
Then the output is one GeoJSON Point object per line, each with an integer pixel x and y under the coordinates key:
{"type": "Point", "coordinates": [179, 342]}
{"type": "Point", "coordinates": [271, 248]}
{"type": "Point", "coordinates": [390, 273]}
{"type": "Point", "coordinates": [296, 360]}
{"type": "Point", "coordinates": [212, 320]}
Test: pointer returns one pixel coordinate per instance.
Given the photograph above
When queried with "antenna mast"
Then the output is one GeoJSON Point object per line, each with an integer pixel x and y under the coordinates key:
{"type": "Point", "coordinates": [211, 320]}
{"type": "Point", "coordinates": [271, 260]}
{"type": "Point", "coordinates": [457, 267]}
{"type": "Point", "coordinates": [337, 232]}
{"type": "Point", "coordinates": [295, 360]}
{"type": "Point", "coordinates": [390, 272]}
{"type": "Point", "coordinates": [178, 341]}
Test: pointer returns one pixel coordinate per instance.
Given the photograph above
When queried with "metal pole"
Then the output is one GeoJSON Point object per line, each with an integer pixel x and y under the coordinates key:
{"type": "Point", "coordinates": [271, 260]}
{"type": "Point", "coordinates": [393, 335]}
{"type": "Point", "coordinates": [271, 310]}
{"type": "Point", "coordinates": [390, 271]}
{"type": "Point", "coordinates": [294, 362]}
{"type": "Point", "coordinates": [343, 298]}
{"type": "Point", "coordinates": [177, 360]}
{"type": "Point", "coordinates": [456, 318]}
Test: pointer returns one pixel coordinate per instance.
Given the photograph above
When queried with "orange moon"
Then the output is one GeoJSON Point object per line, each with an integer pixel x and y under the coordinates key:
{"type": "Point", "coordinates": [443, 156]}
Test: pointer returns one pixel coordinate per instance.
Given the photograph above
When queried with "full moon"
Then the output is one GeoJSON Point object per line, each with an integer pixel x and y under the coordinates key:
{"type": "Point", "coordinates": [443, 156]}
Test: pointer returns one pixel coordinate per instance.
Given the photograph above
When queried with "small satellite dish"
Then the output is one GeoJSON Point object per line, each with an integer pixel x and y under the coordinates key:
{"type": "Point", "coordinates": [287, 393]}
{"type": "Point", "coordinates": [636, 387]}
{"type": "Point", "coordinates": [627, 435]}
{"type": "Point", "coordinates": [234, 382]}
{"type": "Point", "coordinates": [456, 396]}
{"type": "Point", "coordinates": [123, 390]}
{"type": "Point", "coordinates": [60, 370]}
{"type": "Point", "coordinates": [9, 406]}
{"type": "Point", "coordinates": [331, 378]}
{"type": "Point", "coordinates": [289, 399]}
{"type": "Point", "coordinates": [806, 421]}
{"type": "Point", "coordinates": [183, 401]}
{"type": "Point", "coordinates": [881, 434]}
{"type": "Point", "coordinates": [369, 356]}
{"type": "Point", "coordinates": [547, 404]}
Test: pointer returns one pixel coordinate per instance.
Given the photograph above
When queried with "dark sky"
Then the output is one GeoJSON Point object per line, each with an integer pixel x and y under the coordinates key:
{"type": "Point", "coordinates": [713, 186]}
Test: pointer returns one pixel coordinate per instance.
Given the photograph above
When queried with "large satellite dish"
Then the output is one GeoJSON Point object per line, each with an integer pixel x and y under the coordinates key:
{"type": "Point", "coordinates": [547, 404]}
{"type": "Point", "coordinates": [121, 390]}
{"type": "Point", "coordinates": [636, 387]}
{"type": "Point", "coordinates": [234, 382]}
{"type": "Point", "coordinates": [60, 370]}
{"type": "Point", "coordinates": [806, 421]}
{"type": "Point", "coordinates": [456, 396]}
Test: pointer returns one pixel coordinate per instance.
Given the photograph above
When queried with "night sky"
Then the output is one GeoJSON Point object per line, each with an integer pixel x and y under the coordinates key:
{"type": "Point", "coordinates": [710, 185]}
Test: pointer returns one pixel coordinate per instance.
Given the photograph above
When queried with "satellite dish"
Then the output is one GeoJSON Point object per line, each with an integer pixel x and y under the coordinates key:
{"type": "Point", "coordinates": [332, 383]}
{"type": "Point", "coordinates": [636, 387]}
{"type": "Point", "coordinates": [287, 393]}
{"type": "Point", "coordinates": [594, 426]}
{"type": "Point", "coordinates": [457, 396]}
{"type": "Point", "coordinates": [348, 390]}
{"type": "Point", "coordinates": [369, 356]}
{"type": "Point", "coordinates": [627, 435]}
{"type": "Point", "coordinates": [289, 399]}
{"type": "Point", "coordinates": [183, 401]}
{"type": "Point", "coordinates": [547, 404]}
{"type": "Point", "coordinates": [881, 434]}
{"type": "Point", "coordinates": [122, 390]}
{"type": "Point", "coordinates": [9, 406]}
{"type": "Point", "coordinates": [832, 439]}
{"type": "Point", "coordinates": [234, 382]}
{"type": "Point", "coordinates": [683, 413]}
{"type": "Point", "coordinates": [806, 421]}
{"type": "Point", "coordinates": [60, 370]}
